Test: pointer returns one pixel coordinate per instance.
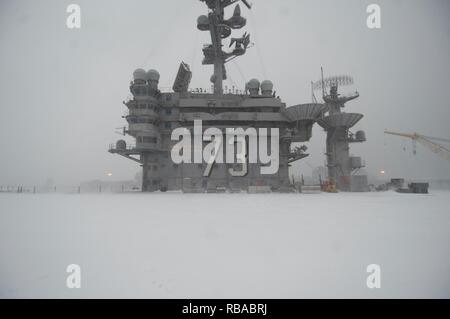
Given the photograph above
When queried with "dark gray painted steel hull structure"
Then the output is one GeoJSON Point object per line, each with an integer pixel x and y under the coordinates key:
{"type": "Point", "coordinates": [153, 115]}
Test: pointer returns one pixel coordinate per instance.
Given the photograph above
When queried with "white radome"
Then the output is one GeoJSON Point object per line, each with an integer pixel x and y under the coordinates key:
{"type": "Point", "coordinates": [140, 74]}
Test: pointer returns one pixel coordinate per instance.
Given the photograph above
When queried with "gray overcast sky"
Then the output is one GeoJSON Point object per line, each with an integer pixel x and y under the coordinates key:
{"type": "Point", "coordinates": [62, 90]}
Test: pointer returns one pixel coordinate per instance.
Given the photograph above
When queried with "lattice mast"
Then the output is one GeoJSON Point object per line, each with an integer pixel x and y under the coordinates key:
{"type": "Point", "coordinates": [220, 29]}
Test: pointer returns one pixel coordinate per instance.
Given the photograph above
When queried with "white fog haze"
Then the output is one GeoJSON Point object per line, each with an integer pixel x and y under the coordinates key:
{"type": "Point", "coordinates": [62, 89]}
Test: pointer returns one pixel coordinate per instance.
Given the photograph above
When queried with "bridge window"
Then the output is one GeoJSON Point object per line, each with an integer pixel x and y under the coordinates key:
{"type": "Point", "coordinates": [147, 140]}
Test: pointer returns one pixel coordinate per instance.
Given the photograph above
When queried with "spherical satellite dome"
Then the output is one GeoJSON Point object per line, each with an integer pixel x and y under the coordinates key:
{"type": "Point", "coordinates": [361, 136]}
{"type": "Point", "coordinates": [203, 23]}
{"type": "Point", "coordinates": [140, 74]}
{"type": "Point", "coordinates": [266, 86]}
{"type": "Point", "coordinates": [121, 145]}
{"type": "Point", "coordinates": [253, 84]}
{"type": "Point", "coordinates": [153, 75]}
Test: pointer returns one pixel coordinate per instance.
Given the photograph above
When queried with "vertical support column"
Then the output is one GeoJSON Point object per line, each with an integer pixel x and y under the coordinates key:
{"type": "Point", "coordinates": [338, 157]}
{"type": "Point", "coordinates": [218, 76]}
{"type": "Point", "coordinates": [144, 172]}
{"type": "Point", "coordinates": [216, 40]}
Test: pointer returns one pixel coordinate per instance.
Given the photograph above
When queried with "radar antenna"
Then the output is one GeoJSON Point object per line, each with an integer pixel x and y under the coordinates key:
{"type": "Point", "coordinates": [337, 80]}
{"type": "Point", "coordinates": [334, 100]}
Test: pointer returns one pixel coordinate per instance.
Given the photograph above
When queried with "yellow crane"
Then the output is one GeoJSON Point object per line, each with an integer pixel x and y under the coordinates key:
{"type": "Point", "coordinates": [427, 141]}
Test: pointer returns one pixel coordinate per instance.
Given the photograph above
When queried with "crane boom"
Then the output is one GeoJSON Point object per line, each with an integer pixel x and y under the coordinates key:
{"type": "Point", "coordinates": [427, 142]}
{"type": "Point", "coordinates": [438, 139]}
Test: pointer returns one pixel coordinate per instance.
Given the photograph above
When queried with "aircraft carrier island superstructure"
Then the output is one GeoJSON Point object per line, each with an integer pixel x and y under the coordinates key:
{"type": "Point", "coordinates": [153, 116]}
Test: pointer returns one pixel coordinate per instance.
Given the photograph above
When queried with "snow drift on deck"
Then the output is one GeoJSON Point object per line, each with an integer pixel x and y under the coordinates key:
{"type": "Point", "coordinates": [225, 246]}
